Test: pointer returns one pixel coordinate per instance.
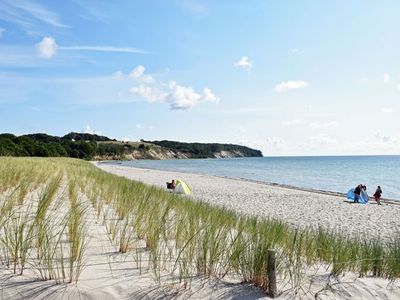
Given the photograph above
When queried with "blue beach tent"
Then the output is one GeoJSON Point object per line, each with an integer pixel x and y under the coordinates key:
{"type": "Point", "coordinates": [363, 196]}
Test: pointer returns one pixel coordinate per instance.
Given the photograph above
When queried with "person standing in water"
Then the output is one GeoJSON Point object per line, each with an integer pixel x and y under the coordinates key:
{"type": "Point", "coordinates": [377, 195]}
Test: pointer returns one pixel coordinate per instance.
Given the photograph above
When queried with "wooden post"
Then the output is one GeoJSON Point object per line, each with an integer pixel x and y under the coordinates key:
{"type": "Point", "coordinates": [271, 274]}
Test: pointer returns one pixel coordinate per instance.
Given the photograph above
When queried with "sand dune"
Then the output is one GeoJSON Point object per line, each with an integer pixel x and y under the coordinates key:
{"type": "Point", "coordinates": [109, 274]}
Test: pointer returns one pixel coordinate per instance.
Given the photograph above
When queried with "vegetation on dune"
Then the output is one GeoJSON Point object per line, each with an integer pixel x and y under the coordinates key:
{"type": "Point", "coordinates": [88, 146]}
{"type": "Point", "coordinates": [162, 232]}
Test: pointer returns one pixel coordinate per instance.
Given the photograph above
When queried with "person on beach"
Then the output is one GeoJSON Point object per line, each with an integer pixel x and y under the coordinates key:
{"type": "Point", "coordinates": [377, 195]}
{"type": "Point", "coordinates": [171, 185]}
{"type": "Point", "coordinates": [357, 192]}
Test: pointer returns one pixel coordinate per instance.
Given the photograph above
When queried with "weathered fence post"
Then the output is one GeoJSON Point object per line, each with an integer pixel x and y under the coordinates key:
{"type": "Point", "coordinates": [271, 274]}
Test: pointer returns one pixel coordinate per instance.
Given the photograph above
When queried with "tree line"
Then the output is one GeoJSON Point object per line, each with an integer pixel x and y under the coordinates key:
{"type": "Point", "coordinates": [87, 146]}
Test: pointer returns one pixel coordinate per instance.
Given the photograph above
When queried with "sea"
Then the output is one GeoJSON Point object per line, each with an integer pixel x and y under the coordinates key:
{"type": "Point", "coordinates": [327, 173]}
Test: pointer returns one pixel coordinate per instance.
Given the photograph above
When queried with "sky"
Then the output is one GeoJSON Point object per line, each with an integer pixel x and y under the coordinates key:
{"type": "Point", "coordinates": [286, 77]}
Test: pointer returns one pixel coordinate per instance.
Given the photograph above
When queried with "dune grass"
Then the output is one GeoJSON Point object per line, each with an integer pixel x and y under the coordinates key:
{"type": "Point", "coordinates": [179, 236]}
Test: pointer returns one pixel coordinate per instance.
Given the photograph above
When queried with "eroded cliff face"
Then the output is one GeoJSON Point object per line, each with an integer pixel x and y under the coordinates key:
{"type": "Point", "coordinates": [162, 153]}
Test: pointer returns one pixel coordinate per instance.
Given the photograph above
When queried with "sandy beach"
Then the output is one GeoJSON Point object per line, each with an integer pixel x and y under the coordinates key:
{"type": "Point", "coordinates": [296, 207]}
{"type": "Point", "coordinates": [109, 274]}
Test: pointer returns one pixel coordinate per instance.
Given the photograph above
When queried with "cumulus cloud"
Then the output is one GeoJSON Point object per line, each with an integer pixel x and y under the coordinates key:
{"type": "Point", "coordinates": [178, 96]}
{"type": "Point", "coordinates": [182, 97]}
{"type": "Point", "coordinates": [150, 94]}
{"type": "Point", "coordinates": [138, 74]}
{"type": "Point", "coordinates": [47, 47]}
{"type": "Point", "coordinates": [387, 110]}
{"type": "Point", "coordinates": [285, 86]}
{"type": "Point", "coordinates": [386, 78]}
{"type": "Point", "coordinates": [244, 63]}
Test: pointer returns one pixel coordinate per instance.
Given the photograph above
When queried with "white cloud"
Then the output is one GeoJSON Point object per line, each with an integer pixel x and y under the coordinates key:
{"type": "Point", "coordinates": [324, 125]}
{"type": "Point", "coordinates": [29, 15]}
{"type": "Point", "coordinates": [104, 49]}
{"type": "Point", "coordinates": [1, 31]}
{"type": "Point", "coordinates": [179, 97]}
{"type": "Point", "coordinates": [88, 129]}
{"type": "Point", "coordinates": [285, 86]}
{"type": "Point", "coordinates": [387, 110]}
{"type": "Point", "coordinates": [182, 98]}
{"type": "Point", "coordinates": [138, 74]}
{"type": "Point", "coordinates": [386, 78]}
{"type": "Point", "coordinates": [294, 50]}
{"type": "Point", "coordinates": [47, 47]}
{"type": "Point", "coordinates": [244, 63]}
{"type": "Point", "coordinates": [209, 96]}
{"type": "Point", "coordinates": [150, 94]}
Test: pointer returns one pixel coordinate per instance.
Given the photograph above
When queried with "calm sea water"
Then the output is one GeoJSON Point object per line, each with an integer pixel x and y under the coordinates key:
{"type": "Point", "coordinates": [331, 173]}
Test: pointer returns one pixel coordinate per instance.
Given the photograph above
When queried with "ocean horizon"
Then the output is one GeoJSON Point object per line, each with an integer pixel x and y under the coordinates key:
{"type": "Point", "coordinates": [327, 173]}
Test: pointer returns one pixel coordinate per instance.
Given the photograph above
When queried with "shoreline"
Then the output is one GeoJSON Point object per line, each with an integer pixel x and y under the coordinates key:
{"type": "Point", "coordinates": [297, 208]}
{"type": "Point", "coordinates": [273, 184]}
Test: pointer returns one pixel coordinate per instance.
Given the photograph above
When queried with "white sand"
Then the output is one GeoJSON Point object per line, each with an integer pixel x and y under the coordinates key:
{"type": "Point", "coordinates": [296, 207]}
{"type": "Point", "coordinates": [110, 275]}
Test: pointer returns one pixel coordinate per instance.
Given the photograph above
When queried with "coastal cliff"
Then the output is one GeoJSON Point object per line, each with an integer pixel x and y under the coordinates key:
{"type": "Point", "coordinates": [170, 150]}
{"type": "Point", "coordinates": [92, 146]}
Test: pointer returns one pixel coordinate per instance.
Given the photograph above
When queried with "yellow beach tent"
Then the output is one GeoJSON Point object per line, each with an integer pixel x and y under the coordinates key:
{"type": "Point", "coordinates": [182, 187]}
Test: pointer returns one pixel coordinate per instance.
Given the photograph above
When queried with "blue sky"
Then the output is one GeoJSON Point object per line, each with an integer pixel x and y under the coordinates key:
{"type": "Point", "coordinates": [286, 77]}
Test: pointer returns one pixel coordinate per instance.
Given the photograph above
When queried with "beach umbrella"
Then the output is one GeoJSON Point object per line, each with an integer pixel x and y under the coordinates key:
{"type": "Point", "coordinates": [182, 187]}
